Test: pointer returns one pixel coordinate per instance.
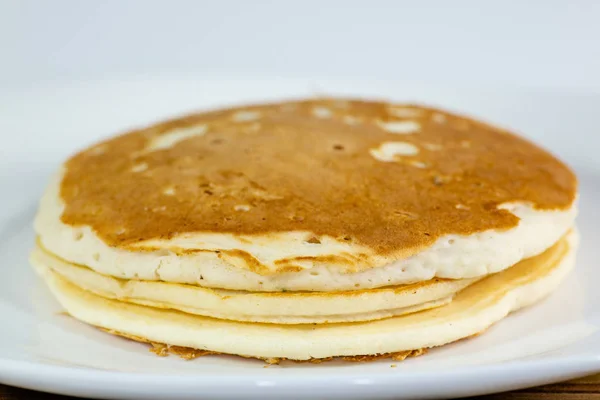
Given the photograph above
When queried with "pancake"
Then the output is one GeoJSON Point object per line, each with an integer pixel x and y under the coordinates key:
{"type": "Point", "coordinates": [274, 307]}
{"type": "Point", "coordinates": [473, 310]}
{"type": "Point", "coordinates": [306, 230]}
{"type": "Point", "coordinates": [319, 195]}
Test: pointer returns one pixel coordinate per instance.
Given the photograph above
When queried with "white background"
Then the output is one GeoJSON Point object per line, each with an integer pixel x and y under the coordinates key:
{"type": "Point", "coordinates": [80, 70]}
{"type": "Point", "coordinates": [536, 43]}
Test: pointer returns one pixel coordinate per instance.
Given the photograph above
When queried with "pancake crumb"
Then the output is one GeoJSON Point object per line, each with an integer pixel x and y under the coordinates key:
{"type": "Point", "coordinates": [313, 240]}
{"type": "Point", "coordinates": [161, 350]}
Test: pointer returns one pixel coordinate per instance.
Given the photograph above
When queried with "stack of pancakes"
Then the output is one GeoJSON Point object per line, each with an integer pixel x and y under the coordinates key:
{"type": "Point", "coordinates": [306, 230]}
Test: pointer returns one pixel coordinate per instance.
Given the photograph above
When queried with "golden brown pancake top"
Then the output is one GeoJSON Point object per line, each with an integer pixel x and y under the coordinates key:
{"type": "Point", "coordinates": [312, 166]}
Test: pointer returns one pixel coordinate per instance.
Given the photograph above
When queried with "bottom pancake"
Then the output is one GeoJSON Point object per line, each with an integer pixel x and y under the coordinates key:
{"type": "Point", "coordinates": [473, 310]}
{"type": "Point", "coordinates": [188, 353]}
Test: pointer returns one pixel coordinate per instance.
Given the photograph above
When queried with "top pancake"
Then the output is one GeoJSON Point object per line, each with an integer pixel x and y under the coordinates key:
{"type": "Point", "coordinates": [386, 179]}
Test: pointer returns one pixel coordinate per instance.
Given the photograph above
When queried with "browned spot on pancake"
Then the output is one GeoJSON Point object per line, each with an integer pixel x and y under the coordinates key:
{"type": "Point", "coordinates": [243, 259]}
{"type": "Point", "coordinates": [244, 240]}
{"type": "Point", "coordinates": [188, 353]}
{"type": "Point", "coordinates": [398, 356]}
{"type": "Point", "coordinates": [293, 177]}
{"type": "Point", "coordinates": [344, 261]}
{"type": "Point", "coordinates": [161, 350]}
{"type": "Point", "coordinates": [287, 268]}
{"type": "Point", "coordinates": [173, 249]}
{"type": "Point", "coordinates": [313, 240]}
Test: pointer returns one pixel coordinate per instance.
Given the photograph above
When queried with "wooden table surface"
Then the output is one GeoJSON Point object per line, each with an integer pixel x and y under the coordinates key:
{"type": "Point", "coordinates": [580, 389]}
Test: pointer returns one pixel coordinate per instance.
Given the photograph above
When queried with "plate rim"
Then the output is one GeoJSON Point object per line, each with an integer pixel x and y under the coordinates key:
{"type": "Point", "coordinates": [483, 379]}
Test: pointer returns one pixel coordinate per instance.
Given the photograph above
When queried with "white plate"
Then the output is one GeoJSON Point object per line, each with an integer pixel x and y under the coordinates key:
{"type": "Point", "coordinates": [45, 350]}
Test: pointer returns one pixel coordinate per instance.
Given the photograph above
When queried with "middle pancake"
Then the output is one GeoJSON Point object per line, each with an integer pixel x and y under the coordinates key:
{"type": "Point", "coordinates": [274, 307]}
